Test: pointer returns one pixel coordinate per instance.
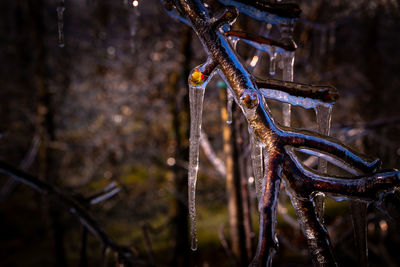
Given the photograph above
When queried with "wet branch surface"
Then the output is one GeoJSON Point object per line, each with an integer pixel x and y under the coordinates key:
{"type": "Point", "coordinates": [125, 254]}
{"type": "Point", "coordinates": [301, 183]}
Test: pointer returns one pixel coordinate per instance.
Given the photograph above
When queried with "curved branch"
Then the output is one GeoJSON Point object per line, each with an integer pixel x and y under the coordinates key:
{"type": "Point", "coordinates": [367, 187]}
{"type": "Point", "coordinates": [125, 255]}
{"type": "Point", "coordinates": [304, 138]}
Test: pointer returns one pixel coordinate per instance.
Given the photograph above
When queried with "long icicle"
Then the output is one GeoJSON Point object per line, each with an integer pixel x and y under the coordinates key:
{"type": "Point", "coordinates": [197, 85]}
{"type": "Point", "coordinates": [257, 163]}
{"type": "Point", "coordinates": [324, 115]}
{"type": "Point", "coordinates": [288, 64]}
{"type": "Point", "coordinates": [60, 22]}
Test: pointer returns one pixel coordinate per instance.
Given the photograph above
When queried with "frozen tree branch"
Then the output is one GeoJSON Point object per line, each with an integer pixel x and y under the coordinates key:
{"type": "Point", "coordinates": [325, 94]}
{"type": "Point", "coordinates": [125, 255]}
{"type": "Point", "coordinates": [300, 181]}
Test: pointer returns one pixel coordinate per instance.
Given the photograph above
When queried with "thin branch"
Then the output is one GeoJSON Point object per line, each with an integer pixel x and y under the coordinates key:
{"type": "Point", "coordinates": [218, 164]}
{"type": "Point", "coordinates": [368, 187]}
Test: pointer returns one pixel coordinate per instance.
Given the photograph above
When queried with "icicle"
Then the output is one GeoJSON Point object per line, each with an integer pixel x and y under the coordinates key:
{"type": "Point", "coordinates": [272, 61]}
{"type": "Point", "coordinates": [197, 85]}
{"type": "Point", "coordinates": [229, 104]}
{"type": "Point", "coordinates": [257, 162]}
{"type": "Point", "coordinates": [288, 63]}
{"type": "Point", "coordinates": [234, 41]}
{"type": "Point", "coordinates": [133, 18]}
{"type": "Point", "coordinates": [324, 115]}
{"type": "Point", "coordinates": [60, 19]}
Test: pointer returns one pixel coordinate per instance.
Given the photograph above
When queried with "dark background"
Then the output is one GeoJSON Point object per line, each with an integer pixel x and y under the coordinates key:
{"type": "Point", "coordinates": [105, 108]}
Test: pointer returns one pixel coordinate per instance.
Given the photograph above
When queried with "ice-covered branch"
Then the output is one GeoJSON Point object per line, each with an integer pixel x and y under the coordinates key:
{"type": "Point", "coordinates": [274, 138]}
{"type": "Point", "coordinates": [367, 187]}
{"type": "Point", "coordinates": [268, 243]}
{"type": "Point", "coordinates": [323, 93]}
{"type": "Point", "coordinates": [125, 255]}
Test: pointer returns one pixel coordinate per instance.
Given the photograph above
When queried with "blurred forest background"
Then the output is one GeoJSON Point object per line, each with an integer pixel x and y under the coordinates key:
{"type": "Point", "coordinates": [110, 108]}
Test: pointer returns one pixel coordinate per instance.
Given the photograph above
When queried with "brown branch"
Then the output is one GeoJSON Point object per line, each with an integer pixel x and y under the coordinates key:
{"type": "Point", "coordinates": [286, 44]}
{"type": "Point", "coordinates": [268, 243]}
{"type": "Point", "coordinates": [125, 255]}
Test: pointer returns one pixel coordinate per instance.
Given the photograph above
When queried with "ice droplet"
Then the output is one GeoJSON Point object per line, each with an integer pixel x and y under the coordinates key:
{"type": "Point", "coordinates": [60, 22]}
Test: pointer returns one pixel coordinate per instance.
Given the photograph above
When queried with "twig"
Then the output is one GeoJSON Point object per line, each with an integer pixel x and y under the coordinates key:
{"type": "Point", "coordinates": [218, 164]}
{"type": "Point", "coordinates": [27, 161]}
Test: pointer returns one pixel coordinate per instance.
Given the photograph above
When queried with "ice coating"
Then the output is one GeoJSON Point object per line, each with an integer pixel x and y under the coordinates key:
{"type": "Point", "coordinates": [333, 160]}
{"type": "Point", "coordinates": [304, 102]}
{"type": "Point", "coordinates": [197, 84]}
{"type": "Point", "coordinates": [60, 22]}
{"type": "Point", "coordinates": [257, 163]}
